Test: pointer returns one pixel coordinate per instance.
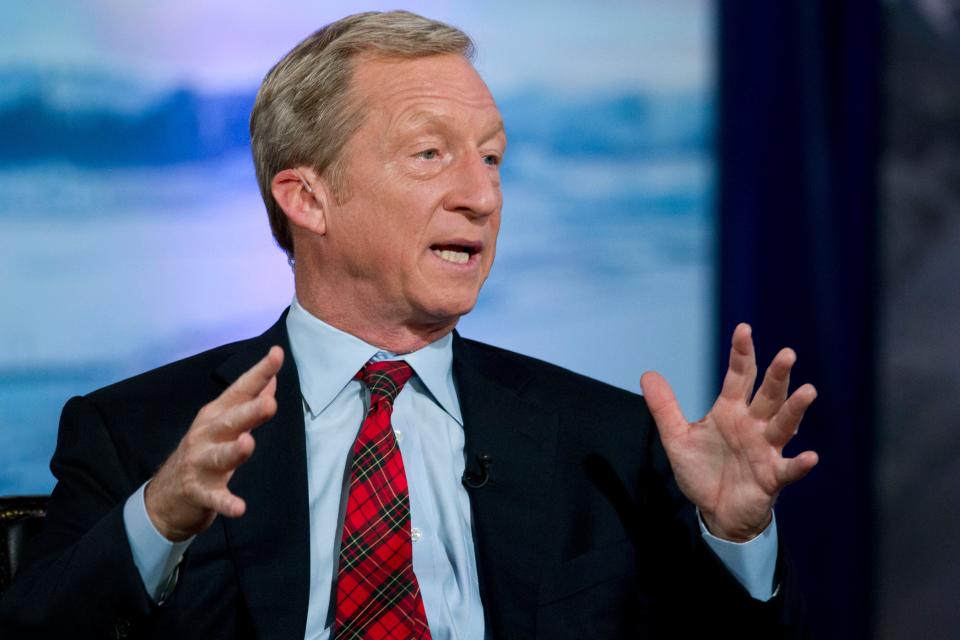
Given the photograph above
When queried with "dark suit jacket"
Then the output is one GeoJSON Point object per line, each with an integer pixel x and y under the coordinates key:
{"type": "Point", "coordinates": [581, 532]}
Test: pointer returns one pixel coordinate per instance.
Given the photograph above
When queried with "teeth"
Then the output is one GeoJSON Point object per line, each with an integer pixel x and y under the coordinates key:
{"type": "Point", "coordinates": [459, 257]}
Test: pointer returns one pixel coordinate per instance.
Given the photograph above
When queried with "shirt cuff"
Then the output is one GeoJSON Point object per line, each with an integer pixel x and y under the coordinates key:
{"type": "Point", "coordinates": [156, 557]}
{"type": "Point", "coordinates": [752, 563]}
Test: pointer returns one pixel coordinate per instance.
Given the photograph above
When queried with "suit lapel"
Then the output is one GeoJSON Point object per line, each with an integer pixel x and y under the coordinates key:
{"type": "Point", "coordinates": [270, 544]}
{"type": "Point", "coordinates": [511, 513]}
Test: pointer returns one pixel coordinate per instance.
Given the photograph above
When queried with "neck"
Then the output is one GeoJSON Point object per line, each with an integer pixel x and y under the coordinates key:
{"type": "Point", "coordinates": [396, 337]}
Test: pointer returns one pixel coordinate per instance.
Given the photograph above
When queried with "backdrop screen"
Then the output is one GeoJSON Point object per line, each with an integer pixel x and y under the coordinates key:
{"type": "Point", "coordinates": [132, 232]}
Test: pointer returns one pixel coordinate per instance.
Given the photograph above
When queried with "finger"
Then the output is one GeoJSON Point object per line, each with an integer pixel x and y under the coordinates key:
{"type": "Point", "coordinates": [270, 390]}
{"type": "Point", "coordinates": [793, 469]}
{"type": "Point", "coordinates": [742, 371]}
{"type": "Point", "coordinates": [663, 405]}
{"type": "Point", "coordinates": [253, 381]}
{"type": "Point", "coordinates": [223, 502]}
{"type": "Point", "coordinates": [243, 417]}
{"type": "Point", "coordinates": [773, 391]}
{"type": "Point", "coordinates": [227, 456]}
{"type": "Point", "coordinates": [785, 423]}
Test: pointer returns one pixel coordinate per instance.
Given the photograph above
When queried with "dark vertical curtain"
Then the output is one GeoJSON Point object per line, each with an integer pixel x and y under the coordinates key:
{"type": "Point", "coordinates": [797, 150]}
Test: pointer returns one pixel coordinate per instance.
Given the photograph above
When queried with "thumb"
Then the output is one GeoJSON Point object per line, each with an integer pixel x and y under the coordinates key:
{"type": "Point", "coordinates": [663, 405]}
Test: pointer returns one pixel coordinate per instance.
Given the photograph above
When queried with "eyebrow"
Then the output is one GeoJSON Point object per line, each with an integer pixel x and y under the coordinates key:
{"type": "Point", "coordinates": [418, 118]}
{"type": "Point", "coordinates": [421, 118]}
{"type": "Point", "coordinates": [495, 129]}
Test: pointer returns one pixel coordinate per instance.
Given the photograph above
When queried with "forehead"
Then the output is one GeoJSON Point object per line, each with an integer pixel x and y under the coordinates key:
{"type": "Point", "coordinates": [412, 91]}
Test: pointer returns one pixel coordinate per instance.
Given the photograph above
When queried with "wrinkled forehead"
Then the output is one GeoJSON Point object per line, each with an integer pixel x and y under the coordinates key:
{"type": "Point", "coordinates": [418, 84]}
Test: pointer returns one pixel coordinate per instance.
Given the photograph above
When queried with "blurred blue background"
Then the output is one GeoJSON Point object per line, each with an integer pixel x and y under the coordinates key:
{"type": "Point", "coordinates": [675, 166]}
{"type": "Point", "coordinates": [132, 232]}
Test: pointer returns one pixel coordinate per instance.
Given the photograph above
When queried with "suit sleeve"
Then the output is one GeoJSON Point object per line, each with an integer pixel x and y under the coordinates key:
{"type": "Point", "coordinates": [78, 577]}
{"type": "Point", "coordinates": [697, 591]}
{"type": "Point", "coordinates": [624, 554]}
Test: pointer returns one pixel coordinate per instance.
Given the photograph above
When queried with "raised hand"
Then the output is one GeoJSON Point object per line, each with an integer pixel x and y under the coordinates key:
{"type": "Point", "coordinates": [190, 489]}
{"type": "Point", "coordinates": [730, 463]}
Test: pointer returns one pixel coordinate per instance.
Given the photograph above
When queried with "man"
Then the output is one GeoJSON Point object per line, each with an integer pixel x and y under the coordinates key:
{"type": "Point", "coordinates": [377, 149]}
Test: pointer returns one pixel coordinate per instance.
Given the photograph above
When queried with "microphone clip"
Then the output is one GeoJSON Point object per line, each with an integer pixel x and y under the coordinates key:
{"type": "Point", "coordinates": [477, 480]}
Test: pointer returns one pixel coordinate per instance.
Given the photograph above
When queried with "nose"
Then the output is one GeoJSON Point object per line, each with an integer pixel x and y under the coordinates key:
{"type": "Point", "coordinates": [474, 188]}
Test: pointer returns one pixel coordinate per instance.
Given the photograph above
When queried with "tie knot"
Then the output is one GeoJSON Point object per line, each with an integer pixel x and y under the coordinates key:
{"type": "Point", "coordinates": [385, 379]}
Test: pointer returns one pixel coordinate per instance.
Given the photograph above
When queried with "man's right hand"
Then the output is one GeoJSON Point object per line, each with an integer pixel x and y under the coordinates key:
{"type": "Point", "coordinates": [190, 489]}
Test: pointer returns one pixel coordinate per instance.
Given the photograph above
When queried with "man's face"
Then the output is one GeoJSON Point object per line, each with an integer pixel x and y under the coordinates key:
{"type": "Point", "coordinates": [416, 235]}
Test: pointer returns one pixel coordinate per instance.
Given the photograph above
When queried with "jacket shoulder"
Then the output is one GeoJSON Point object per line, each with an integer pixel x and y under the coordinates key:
{"type": "Point", "coordinates": [185, 373]}
{"type": "Point", "coordinates": [547, 381]}
{"type": "Point", "coordinates": [199, 375]}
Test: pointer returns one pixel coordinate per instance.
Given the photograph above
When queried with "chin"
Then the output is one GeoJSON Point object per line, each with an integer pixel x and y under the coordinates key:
{"type": "Point", "coordinates": [450, 309]}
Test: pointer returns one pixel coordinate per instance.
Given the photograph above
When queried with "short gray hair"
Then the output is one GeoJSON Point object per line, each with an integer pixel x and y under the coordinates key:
{"type": "Point", "coordinates": [304, 112]}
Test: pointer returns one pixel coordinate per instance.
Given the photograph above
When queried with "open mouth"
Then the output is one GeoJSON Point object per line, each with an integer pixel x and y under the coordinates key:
{"type": "Point", "coordinates": [457, 253]}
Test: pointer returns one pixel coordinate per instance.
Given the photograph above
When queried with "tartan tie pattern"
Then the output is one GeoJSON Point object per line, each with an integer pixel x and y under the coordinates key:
{"type": "Point", "coordinates": [378, 596]}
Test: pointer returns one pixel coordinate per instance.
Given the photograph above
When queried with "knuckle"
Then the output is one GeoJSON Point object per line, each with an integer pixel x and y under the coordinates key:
{"type": "Point", "coordinates": [247, 412]}
{"type": "Point", "coordinates": [206, 412]}
{"type": "Point", "coordinates": [228, 457]}
{"type": "Point", "coordinates": [216, 458]}
{"type": "Point", "coordinates": [189, 441]}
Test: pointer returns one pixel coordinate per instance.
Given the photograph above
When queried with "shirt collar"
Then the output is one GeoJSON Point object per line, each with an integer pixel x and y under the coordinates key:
{"type": "Point", "coordinates": [328, 358]}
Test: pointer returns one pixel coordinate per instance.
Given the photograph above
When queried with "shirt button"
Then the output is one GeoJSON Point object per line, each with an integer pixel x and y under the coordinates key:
{"type": "Point", "coordinates": [415, 534]}
{"type": "Point", "coordinates": [398, 434]}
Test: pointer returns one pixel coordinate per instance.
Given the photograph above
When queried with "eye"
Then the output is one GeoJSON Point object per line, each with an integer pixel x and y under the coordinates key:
{"type": "Point", "coordinates": [492, 160]}
{"type": "Point", "coordinates": [428, 154]}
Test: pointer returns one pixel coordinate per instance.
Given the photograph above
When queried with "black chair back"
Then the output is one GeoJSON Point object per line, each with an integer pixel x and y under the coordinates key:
{"type": "Point", "coordinates": [21, 518]}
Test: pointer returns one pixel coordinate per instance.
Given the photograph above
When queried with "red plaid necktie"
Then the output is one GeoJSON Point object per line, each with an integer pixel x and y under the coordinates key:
{"type": "Point", "coordinates": [377, 592]}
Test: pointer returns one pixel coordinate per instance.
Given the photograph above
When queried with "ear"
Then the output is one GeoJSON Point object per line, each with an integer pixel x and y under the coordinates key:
{"type": "Point", "coordinates": [303, 197]}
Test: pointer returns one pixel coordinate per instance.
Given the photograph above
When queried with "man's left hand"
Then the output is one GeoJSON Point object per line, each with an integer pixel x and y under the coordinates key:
{"type": "Point", "coordinates": [730, 463]}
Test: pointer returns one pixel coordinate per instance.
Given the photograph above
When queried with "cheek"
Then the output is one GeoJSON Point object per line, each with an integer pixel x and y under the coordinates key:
{"type": "Point", "coordinates": [401, 249]}
{"type": "Point", "coordinates": [494, 233]}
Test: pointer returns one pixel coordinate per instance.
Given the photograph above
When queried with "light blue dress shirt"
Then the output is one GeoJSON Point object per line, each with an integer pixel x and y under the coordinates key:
{"type": "Point", "coordinates": [426, 419]}
{"type": "Point", "coordinates": [429, 428]}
